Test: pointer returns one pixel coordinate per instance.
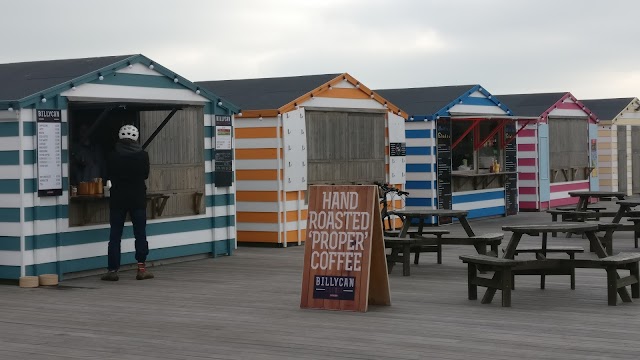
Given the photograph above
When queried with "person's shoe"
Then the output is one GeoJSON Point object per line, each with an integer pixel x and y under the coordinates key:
{"type": "Point", "coordinates": [144, 275]}
{"type": "Point", "coordinates": [110, 276]}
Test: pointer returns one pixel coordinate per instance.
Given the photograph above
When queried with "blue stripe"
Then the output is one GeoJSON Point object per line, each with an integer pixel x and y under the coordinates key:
{"type": "Point", "coordinates": [418, 134]}
{"type": "Point", "coordinates": [10, 215]}
{"type": "Point", "coordinates": [421, 185]}
{"type": "Point", "coordinates": [219, 247]}
{"type": "Point", "coordinates": [46, 212]}
{"type": "Point", "coordinates": [10, 243]}
{"type": "Point", "coordinates": [138, 80]}
{"type": "Point", "coordinates": [9, 186]}
{"type": "Point", "coordinates": [419, 168]}
{"type": "Point", "coordinates": [31, 185]}
{"type": "Point", "coordinates": [99, 235]}
{"type": "Point", "coordinates": [493, 195]}
{"type": "Point", "coordinates": [30, 157]}
{"type": "Point", "coordinates": [419, 201]}
{"type": "Point", "coordinates": [11, 157]}
{"type": "Point", "coordinates": [9, 128]}
{"type": "Point", "coordinates": [419, 150]}
{"type": "Point", "coordinates": [490, 211]}
{"type": "Point", "coordinates": [29, 128]}
{"type": "Point", "coordinates": [10, 272]}
{"type": "Point", "coordinates": [479, 101]}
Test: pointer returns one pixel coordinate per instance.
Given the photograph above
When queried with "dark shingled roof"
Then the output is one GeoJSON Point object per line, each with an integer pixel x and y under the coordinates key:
{"type": "Point", "coordinates": [607, 109]}
{"type": "Point", "coordinates": [20, 80]}
{"type": "Point", "coordinates": [424, 101]}
{"type": "Point", "coordinates": [266, 93]}
{"type": "Point", "coordinates": [530, 104]}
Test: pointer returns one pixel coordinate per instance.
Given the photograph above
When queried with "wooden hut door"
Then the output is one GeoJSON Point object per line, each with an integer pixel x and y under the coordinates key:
{"type": "Point", "coordinates": [345, 148]}
{"type": "Point", "coordinates": [635, 160]}
{"type": "Point", "coordinates": [177, 159]}
{"type": "Point", "coordinates": [622, 158]}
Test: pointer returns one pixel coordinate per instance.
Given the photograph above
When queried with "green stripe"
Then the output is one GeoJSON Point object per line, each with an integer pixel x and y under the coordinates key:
{"type": "Point", "coordinates": [208, 132]}
{"type": "Point", "coordinates": [209, 178]}
{"type": "Point", "coordinates": [98, 235]}
{"type": "Point", "coordinates": [11, 157]}
{"type": "Point", "coordinates": [46, 212]}
{"type": "Point", "coordinates": [31, 185]}
{"type": "Point", "coordinates": [208, 154]}
{"type": "Point", "coordinates": [8, 129]}
{"type": "Point", "coordinates": [10, 243]}
{"type": "Point", "coordinates": [29, 128]}
{"type": "Point", "coordinates": [219, 247]}
{"type": "Point", "coordinates": [219, 200]}
{"type": "Point", "coordinates": [10, 215]}
{"type": "Point", "coordinates": [10, 272]}
{"type": "Point", "coordinates": [139, 80]}
{"type": "Point", "coordinates": [9, 186]}
{"type": "Point", "coordinates": [30, 157]}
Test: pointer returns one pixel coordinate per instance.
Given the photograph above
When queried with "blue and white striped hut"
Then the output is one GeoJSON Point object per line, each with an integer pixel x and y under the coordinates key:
{"type": "Point", "coordinates": [460, 149]}
{"type": "Point", "coordinates": [54, 115]}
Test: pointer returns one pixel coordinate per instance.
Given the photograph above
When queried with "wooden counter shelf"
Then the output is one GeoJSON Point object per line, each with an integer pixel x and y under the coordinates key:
{"type": "Point", "coordinates": [481, 180]}
{"type": "Point", "coordinates": [158, 202]}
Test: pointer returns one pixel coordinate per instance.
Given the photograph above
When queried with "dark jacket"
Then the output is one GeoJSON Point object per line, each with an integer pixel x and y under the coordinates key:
{"type": "Point", "coordinates": [128, 168]}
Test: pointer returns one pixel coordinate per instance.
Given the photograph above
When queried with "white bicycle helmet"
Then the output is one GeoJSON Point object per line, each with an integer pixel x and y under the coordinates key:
{"type": "Point", "coordinates": [128, 132]}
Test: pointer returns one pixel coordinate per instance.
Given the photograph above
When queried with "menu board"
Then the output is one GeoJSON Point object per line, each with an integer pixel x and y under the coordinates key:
{"type": "Point", "coordinates": [49, 152]}
{"type": "Point", "coordinates": [443, 132]}
{"type": "Point", "coordinates": [345, 266]}
{"type": "Point", "coordinates": [511, 165]}
{"type": "Point", "coordinates": [397, 149]}
{"type": "Point", "coordinates": [223, 168]}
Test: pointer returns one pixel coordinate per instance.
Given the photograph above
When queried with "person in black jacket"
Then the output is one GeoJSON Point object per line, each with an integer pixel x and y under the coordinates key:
{"type": "Point", "coordinates": [128, 168]}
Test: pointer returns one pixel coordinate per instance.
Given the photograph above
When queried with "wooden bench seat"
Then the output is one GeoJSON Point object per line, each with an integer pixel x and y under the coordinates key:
{"type": "Point", "coordinates": [415, 231]}
{"type": "Point", "coordinates": [502, 280]}
{"type": "Point", "coordinates": [480, 242]}
{"type": "Point", "coordinates": [401, 249]}
{"type": "Point", "coordinates": [636, 230]}
{"type": "Point", "coordinates": [621, 261]}
{"type": "Point", "coordinates": [539, 252]}
{"type": "Point", "coordinates": [590, 208]}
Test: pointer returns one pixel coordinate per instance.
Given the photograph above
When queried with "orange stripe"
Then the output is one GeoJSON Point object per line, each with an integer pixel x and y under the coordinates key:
{"type": "Point", "coordinates": [265, 195]}
{"type": "Point", "coordinates": [267, 217]}
{"type": "Point", "coordinates": [246, 114]}
{"type": "Point", "coordinates": [270, 237]}
{"type": "Point", "coordinates": [251, 154]}
{"type": "Point", "coordinates": [344, 94]}
{"type": "Point", "coordinates": [256, 133]}
{"type": "Point", "coordinates": [258, 174]}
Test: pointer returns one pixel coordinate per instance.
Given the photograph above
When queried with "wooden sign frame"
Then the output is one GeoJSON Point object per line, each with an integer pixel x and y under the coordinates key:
{"type": "Point", "coordinates": [345, 265]}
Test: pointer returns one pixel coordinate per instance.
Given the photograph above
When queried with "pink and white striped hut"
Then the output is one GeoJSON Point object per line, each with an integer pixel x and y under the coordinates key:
{"type": "Point", "coordinates": [557, 152]}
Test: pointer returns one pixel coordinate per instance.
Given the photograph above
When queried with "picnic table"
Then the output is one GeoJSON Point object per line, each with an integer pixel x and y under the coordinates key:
{"type": "Point", "coordinates": [506, 267]}
{"type": "Point", "coordinates": [422, 215]}
{"type": "Point", "coordinates": [584, 197]}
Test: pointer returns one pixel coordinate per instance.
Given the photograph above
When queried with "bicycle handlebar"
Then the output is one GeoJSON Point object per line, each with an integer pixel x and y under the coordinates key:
{"type": "Point", "coordinates": [386, 188]}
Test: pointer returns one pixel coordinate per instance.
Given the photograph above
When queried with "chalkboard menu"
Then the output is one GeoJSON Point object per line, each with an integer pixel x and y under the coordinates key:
{"type": "Point", "coordinates": [511, 165]}
{"type": "Point", "coordinates": [223, 169]}
{"type": "Point", "coordinates": [49, 152]}
{"type": "Point", "coordinates": [397, 149]}
{"type": "Point", "coordinates": [443, 133]}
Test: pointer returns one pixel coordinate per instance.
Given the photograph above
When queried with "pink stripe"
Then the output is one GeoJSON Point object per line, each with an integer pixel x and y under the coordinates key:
{"type": "Point", "coordinates": [527, 133]}
{"type": "Point", "coordinates": [569, 106]}
{"type": "Point", "coordinates": [526, 147]}
{"type": "Point", "coordinates": [563, 202]}
{"type": "Point", "coordinates": [528, 205]}
{"type": "Point", "coordinates": [570, 187]}
{"type": "Point", "coordinates": [526, 176]}
{"type": "Point", "coordinates": [526, 162]}
{"type": "Point", "coordinates": [544, 205]}
{"type": "Point", "coordinates": [527, 190]}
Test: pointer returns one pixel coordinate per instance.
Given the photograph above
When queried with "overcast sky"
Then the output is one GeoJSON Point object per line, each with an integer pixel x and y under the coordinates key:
{"type": "Point", "coordinates": [588, 47]}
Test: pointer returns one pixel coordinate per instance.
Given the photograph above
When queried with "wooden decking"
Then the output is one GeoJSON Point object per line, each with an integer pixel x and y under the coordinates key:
{"type": "Point", "coordinates": [247, 307]}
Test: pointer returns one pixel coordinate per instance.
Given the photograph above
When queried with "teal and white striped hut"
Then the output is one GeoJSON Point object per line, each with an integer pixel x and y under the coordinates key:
{"type": "Point", "coordinates": [48, 107]}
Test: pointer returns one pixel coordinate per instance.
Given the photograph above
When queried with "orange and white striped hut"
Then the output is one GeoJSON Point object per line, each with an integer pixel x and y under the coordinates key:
{"type": "Point", "coordinates": [293, 132]}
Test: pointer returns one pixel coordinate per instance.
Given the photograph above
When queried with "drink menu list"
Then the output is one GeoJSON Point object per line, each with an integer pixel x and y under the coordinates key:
{"type": "Point", "coordinates": [49, 152]}
{"type": "Point", "coordinates": [443, 132]}
{"type": "Point", "coordinates": [223, 169]}
{"type": "Point", "coordinates": [511, 166]}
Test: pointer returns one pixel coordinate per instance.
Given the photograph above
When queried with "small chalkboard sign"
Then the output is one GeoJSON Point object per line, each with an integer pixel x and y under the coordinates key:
{"type": "Point", "coordinates": [345, 265]}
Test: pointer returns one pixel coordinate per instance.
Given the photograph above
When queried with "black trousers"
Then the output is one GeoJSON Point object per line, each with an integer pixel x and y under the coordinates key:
{"type": "Point", "coordinates": [117, 218]}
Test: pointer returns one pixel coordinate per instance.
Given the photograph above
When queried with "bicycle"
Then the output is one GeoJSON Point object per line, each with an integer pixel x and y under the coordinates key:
{"type": "Point", "coordinates": [383, 191]}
